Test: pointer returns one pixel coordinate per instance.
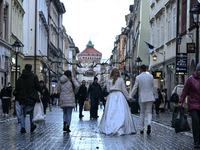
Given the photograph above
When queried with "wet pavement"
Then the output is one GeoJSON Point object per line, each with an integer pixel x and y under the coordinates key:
{"type": "Point", "coordinates": [83, 135]}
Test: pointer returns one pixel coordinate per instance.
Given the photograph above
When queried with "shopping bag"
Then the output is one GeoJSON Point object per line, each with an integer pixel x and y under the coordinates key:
{"type": "Point", "coordinates": [87, 105]}
{"type": "Point", "coordinates": [38, 113]}
{"type": "Point", "coordinates": [181, 121]}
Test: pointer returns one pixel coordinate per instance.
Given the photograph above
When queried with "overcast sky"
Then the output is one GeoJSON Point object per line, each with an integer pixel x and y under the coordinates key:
{"type": "Point", "coordinates": [100, 20]}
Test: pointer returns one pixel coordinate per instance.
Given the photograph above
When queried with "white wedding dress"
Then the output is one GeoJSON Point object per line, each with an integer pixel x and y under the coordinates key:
{"type": "Point", "coordinates": [117, 118]}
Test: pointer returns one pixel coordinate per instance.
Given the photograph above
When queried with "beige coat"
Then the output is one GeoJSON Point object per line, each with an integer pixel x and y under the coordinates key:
{"type": "Point", "coordinates": [178, 89]}
{"type": "Point", "coordinates": [67, 95]}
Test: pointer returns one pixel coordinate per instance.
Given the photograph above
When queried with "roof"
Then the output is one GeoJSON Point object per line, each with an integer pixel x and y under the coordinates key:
{"type": "Point", "coordinates": [90, 49]}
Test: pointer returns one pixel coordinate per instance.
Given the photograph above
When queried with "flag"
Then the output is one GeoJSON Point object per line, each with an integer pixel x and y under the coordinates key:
{"type": "Point", "coordinates": [151, 47]}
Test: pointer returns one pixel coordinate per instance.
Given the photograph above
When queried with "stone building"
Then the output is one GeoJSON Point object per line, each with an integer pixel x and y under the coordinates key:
{"type": "Point", "coordinates": [90, 59]}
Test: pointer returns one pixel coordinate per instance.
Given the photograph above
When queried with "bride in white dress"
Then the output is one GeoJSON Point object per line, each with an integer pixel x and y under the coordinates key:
{"type": "Point", "coordinates": [117, 118]}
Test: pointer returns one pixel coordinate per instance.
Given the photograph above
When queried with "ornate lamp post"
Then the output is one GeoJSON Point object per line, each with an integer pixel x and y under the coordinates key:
{"type": "Point", "coordinates": [17, 45]}
{"type": "Point", "coordinates": [138, 63]}
{"type": "Point", "coordinates": [196, 11]}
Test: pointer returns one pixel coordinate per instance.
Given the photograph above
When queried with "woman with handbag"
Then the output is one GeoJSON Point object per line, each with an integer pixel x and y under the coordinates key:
{"type": "Point", "coordinates": [192, 88]}
{"type": "Point", "coordinates": [67, 88]}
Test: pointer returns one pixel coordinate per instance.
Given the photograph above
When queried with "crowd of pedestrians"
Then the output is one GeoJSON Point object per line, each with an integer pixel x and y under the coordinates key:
{"type": "Point", "coordinates": [116, 118]}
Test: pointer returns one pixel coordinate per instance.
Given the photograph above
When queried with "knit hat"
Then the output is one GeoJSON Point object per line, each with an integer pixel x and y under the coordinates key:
{"type": "Point", "coordinates": [198, 66]}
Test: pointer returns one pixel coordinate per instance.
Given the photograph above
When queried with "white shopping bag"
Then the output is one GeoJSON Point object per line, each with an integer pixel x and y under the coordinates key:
{"type": "Point", "coordinates": [38, 113]}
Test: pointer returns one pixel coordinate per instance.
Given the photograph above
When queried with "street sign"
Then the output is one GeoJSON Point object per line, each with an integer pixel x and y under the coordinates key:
{"type": "Point", "coordinates": [190, 47]}
{"type": "Point", "coordinates": [157, 74]}
{"type": "Point", "coordinates": [90, 73]}
{"type": "Point", "coordinates": [181, 63]}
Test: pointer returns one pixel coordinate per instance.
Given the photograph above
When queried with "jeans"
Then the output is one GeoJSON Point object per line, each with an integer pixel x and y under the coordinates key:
{"type": "Point", "coordinates": [5, 105]}
{"type": "Point", "coordinates": [94, 107]}
{"type": "Point", "coordinates": [67, 114]}
{"type": "Point", "coordinates": [81, 103]}
{"type": "Point", "coordinates": [23, 113]}
{"type": "Point", "coordinates": [195, 114]}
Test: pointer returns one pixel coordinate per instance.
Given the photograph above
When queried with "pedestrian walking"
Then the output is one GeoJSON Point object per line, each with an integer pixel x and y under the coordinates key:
{"type": "Point", "coordinates": [17, 106]}
{"type": "Point", "coordinates": [145, 83]}
{"type": "Point", "coordinates": [103, 96]}
{"type": "Point", "coordinates": [158, 101]}
{"type": "Point", "coordinates": [178, 89]}
{"type": "Point", "coordinates": [6, 99]}
{"type": "Point", "coordinates": [163, 101]}
{"type": "Point", "coordinates": [27, 88]}
{"type": "Point", "coordinates": [46, 97]}
{"type": "Point", "coordinates": [82, 93]}
{"type": "Point", "coordinates": [67, 87]}
{"type": "Point", "coordinates": [117, 118]}
{"type": "Point", "coordinates": [192, 89]}
{"type": "Point", "coordinates": [93, 94]}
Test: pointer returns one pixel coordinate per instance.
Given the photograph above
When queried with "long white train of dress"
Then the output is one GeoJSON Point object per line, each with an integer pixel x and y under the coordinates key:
{"type": "Point", "coordinates": [117, 118]}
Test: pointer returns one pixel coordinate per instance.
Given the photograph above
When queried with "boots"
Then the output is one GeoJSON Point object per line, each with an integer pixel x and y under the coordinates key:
{"type": "Point", "coordinates": [68, 130]}
{"type": "Point", "coordinates": [64, 126]}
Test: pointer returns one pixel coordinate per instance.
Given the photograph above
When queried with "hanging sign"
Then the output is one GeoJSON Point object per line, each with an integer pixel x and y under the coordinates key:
{"type": "Point", "coordinates": [190, 47]}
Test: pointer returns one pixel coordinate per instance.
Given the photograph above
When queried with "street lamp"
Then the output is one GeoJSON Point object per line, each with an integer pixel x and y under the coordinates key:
{"type": "Point", "coordinates": [17, 45]}
{"type": "Point", "coordinates": [154, 57]}
{"type": "Point", "coordinates": [138, 63]}
{"type": "Point", "coordinates": [178, 39]}
{"type": "Point", "coordinates": [196, 11]}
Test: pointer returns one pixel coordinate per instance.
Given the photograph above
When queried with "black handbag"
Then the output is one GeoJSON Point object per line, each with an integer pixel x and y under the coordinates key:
{"type": "Point", "coordinates": [174, 98]}
{"type": "Point", "coordinates": [181, 123]}
{"type": "Point", "coordinates": [27, 101]}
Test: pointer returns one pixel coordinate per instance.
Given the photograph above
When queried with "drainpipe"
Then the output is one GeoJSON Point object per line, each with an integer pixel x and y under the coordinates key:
{"type": "Point", "coordinates": [35, 36]}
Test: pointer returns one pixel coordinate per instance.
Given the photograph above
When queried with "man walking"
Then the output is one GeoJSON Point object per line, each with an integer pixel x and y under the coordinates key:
{"type": "Point", "coordinates": [94, 94]}
{"type": "Point", "coordinates": [27, 87]}
{"type": "Point", "coordinates": [144, 83]}
{"type": "Point", "coordinates": [46, 97]}
{"type": "Point", "coordinates": [82, 93]}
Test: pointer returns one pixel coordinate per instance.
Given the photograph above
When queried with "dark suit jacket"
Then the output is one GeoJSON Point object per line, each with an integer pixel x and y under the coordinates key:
{"type": "Point", "coordinates": [82, 93]}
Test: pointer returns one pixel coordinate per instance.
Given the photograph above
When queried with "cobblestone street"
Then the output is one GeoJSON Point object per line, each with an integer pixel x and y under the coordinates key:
{"type": "Point", "coordinates": [83, 135]}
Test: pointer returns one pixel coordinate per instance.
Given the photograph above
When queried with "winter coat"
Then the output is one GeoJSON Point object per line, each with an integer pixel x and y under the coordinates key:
{"type": "Point", "coordinates": [46, 97]}
{"type": "Point", "coordinates": [67, 94]}
{"type": "Point", "coordinates": [82, 93]}
{"type": "Point", "coordinates": [192, 88]}
{"type": "Point", "coordinates": [145, 83]}
{"type": "Point", "coordinates": [178, 89]}
{"type": "Point", "coordinates": [31, 85]}
{"type": "Point", "coordinates": [6, 92]}
{"type": "Point", "coordinates": [94, 90]}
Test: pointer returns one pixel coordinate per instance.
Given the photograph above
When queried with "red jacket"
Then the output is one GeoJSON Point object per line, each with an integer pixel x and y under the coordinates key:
{"type": "Point", "coordinates": [192, 88]}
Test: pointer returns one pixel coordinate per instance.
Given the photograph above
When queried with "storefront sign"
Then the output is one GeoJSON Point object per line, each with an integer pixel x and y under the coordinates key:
{"type": "Point", "coordinates": [158, 74]}
{"type": "Point", "coordinates": [190, 47]}
{"type": "Point", "coordinates": [181, 63]}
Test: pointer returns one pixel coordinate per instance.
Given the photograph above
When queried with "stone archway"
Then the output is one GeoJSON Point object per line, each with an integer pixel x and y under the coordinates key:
{"type": "Point", "coordinates": [192, 67]}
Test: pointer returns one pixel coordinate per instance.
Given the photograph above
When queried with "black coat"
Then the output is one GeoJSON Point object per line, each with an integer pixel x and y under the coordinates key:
{"type": "Point", "coordinates": [103, 94]}
{"type": "Point", "coordinates": [31, 85]}
{"type": "Point", "coordinates": [94, 90]}
{"type": "Point", "coordinates": [6, 91]}
{"type": "Point", "coordinates": [46, 96]}
{"type": "Point", "coordinates": [82, 93]}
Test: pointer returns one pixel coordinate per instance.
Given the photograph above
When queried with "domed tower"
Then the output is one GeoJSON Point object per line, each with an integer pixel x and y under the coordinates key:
{"type": "Point", "coordinates": [88, 57]}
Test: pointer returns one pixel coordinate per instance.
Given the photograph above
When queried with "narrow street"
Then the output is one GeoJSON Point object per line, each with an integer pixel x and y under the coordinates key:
{"type": "Point", "coordinates": [84, 135]}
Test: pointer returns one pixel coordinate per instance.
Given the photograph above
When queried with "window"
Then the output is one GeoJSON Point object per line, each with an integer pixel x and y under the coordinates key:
{"type": "Point", "coordinates": [174, 21]}
{"type": "Point", "coordinates": [158, 31]}
{"type": "Point", "coordinates": [162, 30]}
{"type": "Point", "coordinates": [192, 2]}
{"type": "Point", "coordinates": [169, 24]}
{"type": "Point", "coordinates": [152, 34]}
{"type": "Point", "coordinates": [183, 16]}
